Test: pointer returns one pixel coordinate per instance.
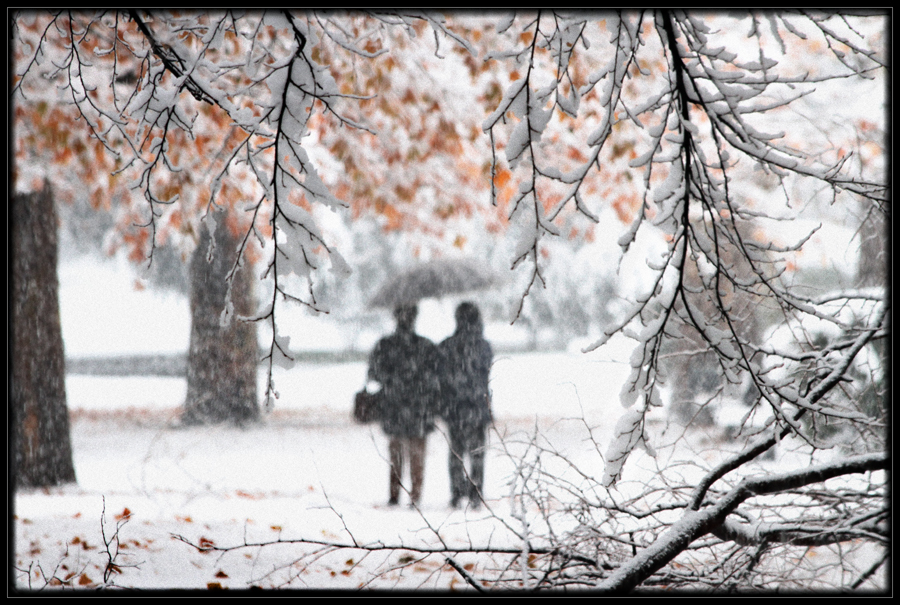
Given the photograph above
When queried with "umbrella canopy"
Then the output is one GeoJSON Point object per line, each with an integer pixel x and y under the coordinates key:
{"type": "Point", "coordinates": [433, 279]}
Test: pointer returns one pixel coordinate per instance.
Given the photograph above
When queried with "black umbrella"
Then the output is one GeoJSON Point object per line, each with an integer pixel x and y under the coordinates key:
{"type": "Point", "coordinates": [434, 279]}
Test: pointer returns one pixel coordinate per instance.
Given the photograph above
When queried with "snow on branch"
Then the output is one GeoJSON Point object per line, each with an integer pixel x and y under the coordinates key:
{"type": "Point", "coordinates": [697, 523]}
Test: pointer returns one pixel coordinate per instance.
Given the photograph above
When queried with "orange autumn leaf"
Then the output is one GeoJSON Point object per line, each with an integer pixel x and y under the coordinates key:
{"type": "Point", "coordinates": [625, 206]}
{"type": "Point", "coordinates": [573, 153]}
{"type": "Point", "coordinates": [501, 178]}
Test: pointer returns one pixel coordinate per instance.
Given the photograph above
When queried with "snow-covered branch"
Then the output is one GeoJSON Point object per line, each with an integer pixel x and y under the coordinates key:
{"type": "Point", "coordinates": [696, 524]}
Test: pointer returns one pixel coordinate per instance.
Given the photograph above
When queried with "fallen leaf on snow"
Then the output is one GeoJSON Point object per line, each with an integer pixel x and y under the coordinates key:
{"type": "Point", "coordinates": [124, 514]}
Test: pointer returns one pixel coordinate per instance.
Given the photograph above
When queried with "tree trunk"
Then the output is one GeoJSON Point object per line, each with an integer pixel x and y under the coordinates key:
{"type": "Point", "coordinates": [872, 264]}
{"type": "Point", "coordinates": [222, 360]}
{"type": "Point", "coordinates": [43, 452]}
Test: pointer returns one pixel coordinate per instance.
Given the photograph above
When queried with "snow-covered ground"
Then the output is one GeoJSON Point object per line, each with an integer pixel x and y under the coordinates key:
{"type": "Point", "coordinates": [306, 472]}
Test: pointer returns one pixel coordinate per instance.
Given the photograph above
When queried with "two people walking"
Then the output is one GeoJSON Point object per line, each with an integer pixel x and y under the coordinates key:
{"type": "Point", "coordinates": [422, 382]}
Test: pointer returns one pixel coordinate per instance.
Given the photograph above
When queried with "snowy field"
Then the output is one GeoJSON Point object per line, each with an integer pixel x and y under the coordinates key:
{"type": "Point", "coordinates": [307, 471]}
{"type": "Point", "coordinates": [146, 488]}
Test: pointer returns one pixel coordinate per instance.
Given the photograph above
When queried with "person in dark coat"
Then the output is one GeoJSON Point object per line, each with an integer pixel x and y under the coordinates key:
{"type": "Point", "coordinates": [466, 405]}
{"type": "Point", "coordinates": [407, 366]}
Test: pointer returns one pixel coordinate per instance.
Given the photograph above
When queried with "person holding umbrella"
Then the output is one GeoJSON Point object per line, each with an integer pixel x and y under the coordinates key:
{"type": "Point", "coordinates": [406, 365]}
{"type": "Point", "coordinates": [466, 404]}
{"type": "Point", "coordinates": [411, 363]}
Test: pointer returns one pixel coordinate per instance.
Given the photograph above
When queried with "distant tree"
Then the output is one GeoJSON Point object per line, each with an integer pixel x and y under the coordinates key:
{"type": "Point", "coordinates": [223, 352]}
{"type": "Point", "coordinates": [41, 452]}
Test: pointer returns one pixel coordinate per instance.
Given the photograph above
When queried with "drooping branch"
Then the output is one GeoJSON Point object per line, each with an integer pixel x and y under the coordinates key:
{"type": "Point", "coordinates": [697, 523]}
{"type": "Point", "coordinates": [173, 63]}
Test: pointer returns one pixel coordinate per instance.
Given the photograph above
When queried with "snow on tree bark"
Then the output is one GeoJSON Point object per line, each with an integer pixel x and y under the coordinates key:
{"type": "Point", "coordinates": [223, 351]}
{"type": "Point", "coordinates": [43, 452]}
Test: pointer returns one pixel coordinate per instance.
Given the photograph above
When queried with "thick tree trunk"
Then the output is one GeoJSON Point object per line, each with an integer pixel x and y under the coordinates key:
{"type": "Point", "coordinates": [222, 360]}
{"type": "Point", "coordinates": [42, 449]}
{"type": "Point", "coordinates": [872, 264]}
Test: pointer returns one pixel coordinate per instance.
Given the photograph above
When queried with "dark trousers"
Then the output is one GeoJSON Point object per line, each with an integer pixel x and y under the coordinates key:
{"type": "Point", "coordinates": [413, 449]}
{"type": "Point", "coordinates": [467, 442]}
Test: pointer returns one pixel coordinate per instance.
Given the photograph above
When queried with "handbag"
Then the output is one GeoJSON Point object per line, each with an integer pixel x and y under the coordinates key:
{"type": "Point", "coordinates": [367, 407]}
